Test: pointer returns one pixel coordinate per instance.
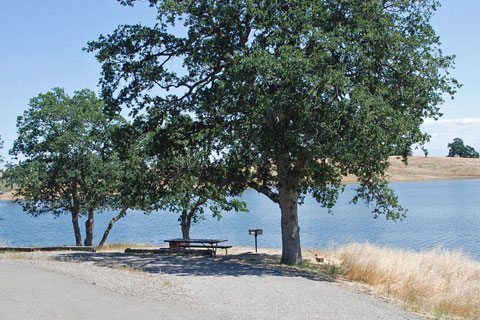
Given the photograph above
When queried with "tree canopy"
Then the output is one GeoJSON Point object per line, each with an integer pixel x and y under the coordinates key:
{"type": "Point", "coordinates": [458, 149]}
{"type": "Point", "coordinates": [187, 180]}
{"type": "Point", "coordinates": [69, 166]}
{"type": "Point", "coordinates": [293, 94]}
{"type": "Point", "coordinates": [1, 147]}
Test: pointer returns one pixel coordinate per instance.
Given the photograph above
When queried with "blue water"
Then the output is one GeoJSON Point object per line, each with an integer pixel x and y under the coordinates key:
{"type": "Point", "coordinates": [441, 213]}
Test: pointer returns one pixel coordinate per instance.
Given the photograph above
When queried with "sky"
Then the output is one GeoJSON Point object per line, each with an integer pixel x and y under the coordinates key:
{"type": "Point", "coordinates": [41, 47]}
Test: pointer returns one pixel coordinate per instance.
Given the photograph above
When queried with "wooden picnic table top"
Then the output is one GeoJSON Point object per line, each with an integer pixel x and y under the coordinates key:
{"type": "Point", "coordinates": [211, 241]}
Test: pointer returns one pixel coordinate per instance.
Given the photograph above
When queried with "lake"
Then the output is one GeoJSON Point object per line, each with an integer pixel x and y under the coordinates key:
{"type": "Point", "coordinates": [441, 213]}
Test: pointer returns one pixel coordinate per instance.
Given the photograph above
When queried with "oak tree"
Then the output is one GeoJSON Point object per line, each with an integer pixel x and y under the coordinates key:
{"type": "Point", "coordinates": [297, 94]}
{"type": "Point", "coordinates": [188, 180]}
{"type": "Point", "coordinates": [132, 186]}
{"type": "Point", "coordinates": [458, 149]}
{"type": "Point", "coordinates": [67, 163]}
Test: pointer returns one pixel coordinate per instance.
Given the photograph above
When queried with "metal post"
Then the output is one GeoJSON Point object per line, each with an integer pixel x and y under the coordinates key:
{"type": "Point", "coordinates": [255, 233]}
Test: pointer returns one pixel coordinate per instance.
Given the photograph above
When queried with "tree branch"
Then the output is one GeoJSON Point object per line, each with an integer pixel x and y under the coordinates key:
{"type": "Point", "coordinates": [264, 190]}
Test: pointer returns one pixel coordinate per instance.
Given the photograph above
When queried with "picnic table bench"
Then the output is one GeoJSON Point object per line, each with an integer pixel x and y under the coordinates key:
{"type": "Point", "coordinates": [209, 244]}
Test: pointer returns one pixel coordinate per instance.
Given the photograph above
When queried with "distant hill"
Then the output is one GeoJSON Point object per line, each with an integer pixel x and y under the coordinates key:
{"type": "Point", "coordinates": [7, 195]}
{"type": "Point", "coordinates": [418, 168]}
{"type": "Point", "coordinates": [430, 168]}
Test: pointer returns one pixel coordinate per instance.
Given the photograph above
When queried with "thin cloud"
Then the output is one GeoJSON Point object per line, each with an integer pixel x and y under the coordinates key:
{"type": "Point", "coordinates": [443, 132]}
{"type": "Point", "coordinates": [452, 121]}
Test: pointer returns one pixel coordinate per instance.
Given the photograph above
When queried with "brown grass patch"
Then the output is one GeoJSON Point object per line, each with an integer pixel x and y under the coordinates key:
{"type": "Point", "coordinates": [440, 282]}
{"type": "Point", "coordinates": [120, 247]}
{"type": "Point", "coordinates": [429, 168]}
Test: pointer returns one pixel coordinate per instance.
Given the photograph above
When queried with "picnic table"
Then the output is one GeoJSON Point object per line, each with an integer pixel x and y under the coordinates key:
{"type": "Point", "coordinates": [209, 244]}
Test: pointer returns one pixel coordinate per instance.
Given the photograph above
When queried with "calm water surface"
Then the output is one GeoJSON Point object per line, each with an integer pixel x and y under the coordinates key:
{"type": "Point", "coordinates": [441, 213]}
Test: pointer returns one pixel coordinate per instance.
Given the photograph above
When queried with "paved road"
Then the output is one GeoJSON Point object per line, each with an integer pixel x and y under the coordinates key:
{"type": "Point", "coordinates": [32, 293]}
{"type": "Point", "coordinates": [213, 289]}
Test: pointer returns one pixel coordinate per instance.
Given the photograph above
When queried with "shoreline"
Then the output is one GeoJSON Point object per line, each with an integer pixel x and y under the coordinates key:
{"type": "Point", "coordinates": [418, 169]}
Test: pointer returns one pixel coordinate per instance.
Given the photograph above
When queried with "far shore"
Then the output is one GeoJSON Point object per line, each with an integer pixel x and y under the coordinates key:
{"type": "Point", "coordinates": [7, 195]}
{"type": "Point", "coordinates": [418, 169]}
{"type": "Point", "coordinates": [429, 168]}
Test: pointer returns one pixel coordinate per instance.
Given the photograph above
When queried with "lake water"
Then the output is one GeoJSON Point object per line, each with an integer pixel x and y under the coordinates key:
{"type": "Point", "coordinates": [441, 213]}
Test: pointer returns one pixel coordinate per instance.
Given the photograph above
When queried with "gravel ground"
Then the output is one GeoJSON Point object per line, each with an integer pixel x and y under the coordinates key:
{"type": "Point", "coordinates": [119, 286]}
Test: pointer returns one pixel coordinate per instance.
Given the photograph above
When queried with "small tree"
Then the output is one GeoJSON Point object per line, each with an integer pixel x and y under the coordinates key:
{"type": "Point", "coordinates": [188, 180]}
{"type": "Point", "coordinates": [458, 149]}
{"type": "Point", "coordinates": [133, 187]}
{"type": "Point", "coordinates": [192, 194]}
{"type": "Point", "coordinates": [162, 171]}
{"type": "Point", "coordinates": [69, 164]}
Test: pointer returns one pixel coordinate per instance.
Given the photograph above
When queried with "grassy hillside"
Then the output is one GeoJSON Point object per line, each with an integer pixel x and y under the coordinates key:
{"type": "Point", "coordinates": [430, 168]}
{"type": "Point", "coordinates": [418, 168]}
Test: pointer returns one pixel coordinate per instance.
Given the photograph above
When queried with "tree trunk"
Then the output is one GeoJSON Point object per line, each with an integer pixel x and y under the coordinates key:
{"type": "Point", "coordinates": [76, 228]}
{"type": "Point", "coordinates": [110, 226]}
{"type": "Point", "coordinates": [186, 223]}
{"type": "Point", "coordinates": [291, 249]}
{"type": "Point", "coordinates": [89, 229]}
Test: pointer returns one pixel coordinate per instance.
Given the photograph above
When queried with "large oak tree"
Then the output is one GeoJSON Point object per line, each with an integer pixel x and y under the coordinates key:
{"type": "Point", "coordinates": [296, 93]}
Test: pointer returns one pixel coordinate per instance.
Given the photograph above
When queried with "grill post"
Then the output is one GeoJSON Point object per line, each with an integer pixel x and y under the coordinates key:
{"type": "Point", "coordinates": [255, 232]}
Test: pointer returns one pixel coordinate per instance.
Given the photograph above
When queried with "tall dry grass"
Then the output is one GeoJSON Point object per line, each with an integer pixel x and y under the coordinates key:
{"type": "Point", "coordinates": [440, 282]}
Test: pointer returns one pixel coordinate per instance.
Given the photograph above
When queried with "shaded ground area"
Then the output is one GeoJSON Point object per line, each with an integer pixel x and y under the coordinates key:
{"type": "Point", "coordinates": [192, 265]}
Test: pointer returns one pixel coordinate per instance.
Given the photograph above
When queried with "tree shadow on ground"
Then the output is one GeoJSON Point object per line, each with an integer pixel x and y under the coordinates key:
{"type": "Point", "coordinates": [246, 264]}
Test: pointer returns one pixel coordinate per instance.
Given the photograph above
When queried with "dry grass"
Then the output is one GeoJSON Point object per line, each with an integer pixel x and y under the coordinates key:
{"type": "Point", "coordinates": [430, 168]}
{"type": "Point", "coordinates": [120, 247]}
{"type": "Point", "coordinates": [15, 255]}
{"type": "Point", "coordinates": [439, 282]}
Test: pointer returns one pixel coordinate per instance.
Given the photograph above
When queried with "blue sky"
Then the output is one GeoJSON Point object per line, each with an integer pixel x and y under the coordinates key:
{"type": "Point", "coordinates": [41, 44]}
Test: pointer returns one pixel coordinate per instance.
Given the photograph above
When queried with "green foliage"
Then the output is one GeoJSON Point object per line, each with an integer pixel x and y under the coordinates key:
{"type": "Point", "coordinates": [187, 180]}
{"type": "Point", "coordinates": [294, 94]}
{"type": "Point", "coordinates": [70, 165]}
{"type": "Point", "coordinates": [458, 149]}
{"type": "Point", "coordinates": [1, 147]}
{"type": "Point", "coordinates": [134, 188]}
{"type": "Point", "coordinates": [405, 152]}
